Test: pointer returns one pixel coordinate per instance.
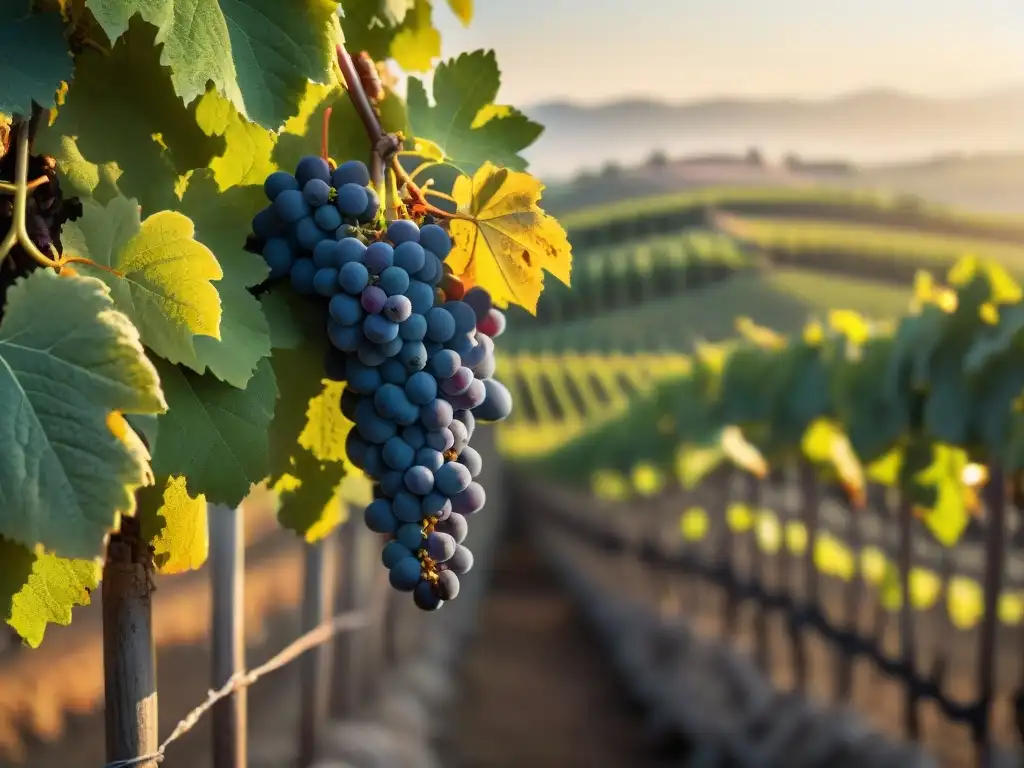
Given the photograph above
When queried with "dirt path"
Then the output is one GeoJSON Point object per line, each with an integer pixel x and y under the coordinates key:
{"type": "Point", "coordinates": [535, 690]}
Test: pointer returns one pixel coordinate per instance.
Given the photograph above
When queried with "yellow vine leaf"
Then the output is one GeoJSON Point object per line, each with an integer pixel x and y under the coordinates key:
{"type": "Point", "coordinates": [504, 240]}
{"type": "Point", "coordinates": [183, 542]}
{"type": "Point", "coordinates": [742, 453]}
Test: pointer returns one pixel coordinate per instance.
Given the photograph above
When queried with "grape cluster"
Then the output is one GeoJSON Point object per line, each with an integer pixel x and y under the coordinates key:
{"type": "Point", "coordinates": [45, 214]}
{"type": "Point", "coordinates": [416, 352]}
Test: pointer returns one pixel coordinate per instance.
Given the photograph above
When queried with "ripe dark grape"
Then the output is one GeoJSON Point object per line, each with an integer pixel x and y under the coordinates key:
{"type": "Point", "coordinates": [278, 255]}
{"type": "Point", "coordinates": [440, 546]}
{"type": "Point", "coordinates": [312, 167]}
{"type": "Point", "coordinates": [497, 404]}
{"type": "Point", "coordinates": [455, 526]}
{"type": "Point", "coordinates": [447, 587]}
{"type": "Point", "coordinates": [351, 172]}
{"type": "Point", "coordinates": [352, 200]}
{"type": "Point", "coordinates": [291, 206]}
{"type": "Point", "coordinates": [353, 278]}
{"type": "Point", "coordinates": [373, 299]}
{"type": "Point", "coordinates": [317, 192]}
{"type": "Point", "coordinates": [461, 562]}
{"type": "Point", "coordinates": [397, 308]}
{"type": "Point", "coordinates": [379, 256]}
{"type": "Point", "coordinates": [327, 218]}
{"type": "Point", "coordinates": [394, 281]}
{"type": "Point", "coordinates": [403, 231]}
{"type": "Point", "coordinates": [405, 574]}
{"type": "Point", "coordinates": [426, 598]}
{"type": "Point", "coordinates": [470, 501]}
{"type": "Point", "coordinates": [278, 182]}
{"type": "Point", "coordinates": [303, 271]}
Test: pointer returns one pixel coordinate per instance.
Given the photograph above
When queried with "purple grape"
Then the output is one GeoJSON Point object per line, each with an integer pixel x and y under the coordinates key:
{"type": "Point", "coordinates": [440, 440]}
{"type": "Point", "coordinates": [447, 587]}
{"type": "Point", "coordinates": [436, 414]}
{"type": "Point", "coordinates": [461, 435]}
{"type": "Point", "coordinates": [470, 501]}
{"type": "Point", "coordinates": [373, 299]}
{"type": "Point", "coordinates": [378, 257]}
{"type": "Point", "coordinates": [472, 397]}
{"type": "Point", "coordinates": [419, 480]}
{"type": "Point", "coordinates": [461, 562]}
{"type": "Point", "coordinates": [480, 300]}
{"type": "Point", "coordinates": [444, 364]}
{"type": "Point", "coordinates": [397, 308]}
{"type": "Point", "coordinates": [452, 479]}
{"type": "Point", "coordinates": [458, 383]}
{"type": "Point", "coordinates": [455, 526]}
{"type": "Point", "coordinates": [440, 546]}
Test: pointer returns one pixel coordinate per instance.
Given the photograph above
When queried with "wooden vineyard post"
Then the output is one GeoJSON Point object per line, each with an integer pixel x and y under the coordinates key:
{"type": "Point", "coordinates": [129, 653]}
{"type": "Point", "coordinates": [315, 666]}
{"type": "Point", "coordinates": [346, 673]}
{"type": "Point", "coordinates": [227, 576]}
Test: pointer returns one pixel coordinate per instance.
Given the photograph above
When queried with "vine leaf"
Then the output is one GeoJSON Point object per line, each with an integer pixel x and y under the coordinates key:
{"type": "Point", "coordinates": [175, 524]}
{"type": "Point", "coordinates": [417, 43]}
{"type": "Point", "coordinates": [156, 138]}
{"type": "Point", "coordinates": [463, 10]}
{"type": "Point", "coordinates": [464, 121]}
{"type": "Point", "coordinates": [164, 281]}
{"type": "Point", "coordinates": [258, 53]}
{"type": "Point", "coordinates": [68, 363]}
{"type": "Point", "coordinates": [214, 434]}
{"type": "Point", "coordinates": [244, 330]}
{"type": "Point", "coordinates": [504, 240]}
{"type": "Point", "coordinates": [37, 589]}
{"type": "Point", "coordinates": [34, 58]}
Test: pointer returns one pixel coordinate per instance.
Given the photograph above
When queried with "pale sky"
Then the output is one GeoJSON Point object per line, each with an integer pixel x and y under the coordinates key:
{"type": "Point", "coordinates": [597, 50]}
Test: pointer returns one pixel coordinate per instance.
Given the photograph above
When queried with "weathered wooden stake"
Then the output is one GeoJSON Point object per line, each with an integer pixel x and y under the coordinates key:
{"type": "Point", "coordinates": [129, 653]}
{"type": "Point", "coordinates": [227, 577]}
{"type": "Point", "coordinates": [347, 675]}
{"type": "Point", "coordinates": [315, 666]}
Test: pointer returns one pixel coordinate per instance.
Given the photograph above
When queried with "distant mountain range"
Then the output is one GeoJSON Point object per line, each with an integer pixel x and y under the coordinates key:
{"type": "Point", "coordinates": [870, 126]}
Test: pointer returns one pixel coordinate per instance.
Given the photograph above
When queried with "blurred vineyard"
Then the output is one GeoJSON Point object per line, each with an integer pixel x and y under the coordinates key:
{"type": "Point", "coordinates": [731, 334]}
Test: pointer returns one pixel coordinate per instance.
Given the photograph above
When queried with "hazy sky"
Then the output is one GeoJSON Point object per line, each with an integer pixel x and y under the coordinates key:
{"type": "Point", "coordinates": [594, 50]}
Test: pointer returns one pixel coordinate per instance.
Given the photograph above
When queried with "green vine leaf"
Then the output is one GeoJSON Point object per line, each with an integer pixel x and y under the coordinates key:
{"type": "Point", "coordinates": [464, 121]}
{"type": "Point", "coordinates": [122, 111]}
{"type": "Point", "coordinates": [214, 434]}
{"type": "Point", "coordinates": [37, 589]}
{"type": "Point", "coordinates": [165, 277]}
{"type": "Point", "coordinates": [34, 58]}
{"type": "Point", "coordinates": [244, 330]}
{"type": "Point", "coordinates": [68, 363]}
{"type": "Point", "coordinates": [258, 53]}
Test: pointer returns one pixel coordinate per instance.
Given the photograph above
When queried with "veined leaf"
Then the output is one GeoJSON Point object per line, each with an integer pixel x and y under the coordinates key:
{"type": "Point", "coordinates": [164, 277]}
{"type": "Point", "coordinates": [34, 58]}
{"type": "Point", "coordinates": [68, 362]}
{"type": "Point", "coordinates": [463, 89]}
{"type": "Point", "coordinates": [503, 240]}
{"type": "Point", "coordinates": [37, 589]}
{"type": "Point", "coordinates": [258, 53]}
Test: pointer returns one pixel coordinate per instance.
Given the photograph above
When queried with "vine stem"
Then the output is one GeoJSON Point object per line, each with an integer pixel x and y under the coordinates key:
{"type": "Point", "coordinates": [385, 146]}
{"type": "Point", "coordinates": [18, 233]}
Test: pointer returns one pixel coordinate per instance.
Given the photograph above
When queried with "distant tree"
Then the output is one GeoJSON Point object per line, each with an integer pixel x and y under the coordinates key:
{"type": "Point", "coordinates": [657, 159]}
{"type": "Point", "coordinates": [755, 157]}
{"type": "Point", "coordinates": [611, 170]}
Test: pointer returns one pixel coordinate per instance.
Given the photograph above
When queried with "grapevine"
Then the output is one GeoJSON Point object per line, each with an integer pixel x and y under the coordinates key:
{"type": "Point", "coordinates": [919, 404]}
{"type": "Point", "coordinates": [164, 323]}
